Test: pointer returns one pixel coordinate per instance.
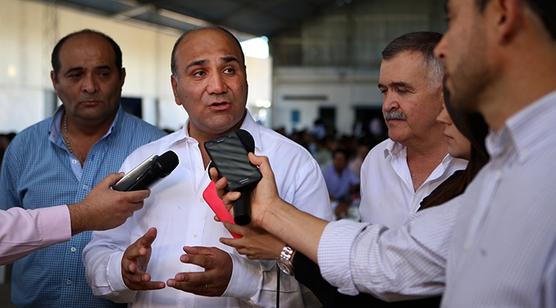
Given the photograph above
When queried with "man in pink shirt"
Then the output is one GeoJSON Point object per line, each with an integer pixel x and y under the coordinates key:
{"type": "Point", "coordinates": [23, 231]}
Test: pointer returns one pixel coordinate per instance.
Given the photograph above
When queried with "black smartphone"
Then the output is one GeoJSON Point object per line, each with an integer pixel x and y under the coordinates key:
{"type": "Point", "coordinates": [229, 156]}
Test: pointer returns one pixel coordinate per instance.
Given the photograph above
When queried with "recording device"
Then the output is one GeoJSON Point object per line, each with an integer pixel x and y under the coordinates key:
{"type": "Point", "coordinates": [229, 155]}
{"type": "Point", "coordinates": [148, 172]}
{"type": "Point", "coordinates": [217, 206]}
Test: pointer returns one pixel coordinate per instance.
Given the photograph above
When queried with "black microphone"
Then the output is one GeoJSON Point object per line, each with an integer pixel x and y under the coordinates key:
{"type": "Point", "coordinates": [148, 172]}
{"type": "Point", "coordinates": [242, 206]}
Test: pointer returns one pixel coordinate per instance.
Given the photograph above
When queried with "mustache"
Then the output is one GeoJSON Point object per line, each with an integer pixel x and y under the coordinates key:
{"type": "Point", "coordinates": [394, 115]}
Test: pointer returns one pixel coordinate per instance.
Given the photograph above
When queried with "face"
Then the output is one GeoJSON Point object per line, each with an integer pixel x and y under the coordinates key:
{"type": "Point", "coordinates": [88, 82]}
{"type": "Point", "coordinates": [463, 52]}
{"type": "Point", "coordinates": [210, 83]}
{"type": "Point", "coordinates": [458, 145]}
{"type": "Point", "coordinates": [412, 99]}
{"type": "Point", "coordinates": [339, 161]}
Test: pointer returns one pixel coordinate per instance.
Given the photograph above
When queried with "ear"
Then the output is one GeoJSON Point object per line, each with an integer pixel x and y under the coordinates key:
{"type": "Point", "coordinates": [507, 18]}
{"type": "Point", "coordinates": [122, 77]}
{"type": "Point", "coordinates": [54, 79]}
{"type": "Point", "coordinates": [174, 81]}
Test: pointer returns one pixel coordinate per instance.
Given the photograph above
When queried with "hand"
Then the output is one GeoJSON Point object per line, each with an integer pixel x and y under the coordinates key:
{"type": "Point", "coordinates": [264, 195]}
{"type": "Point", "coordinates": [135, 261]}
{"type": "Point", "coordinates": [105, 208]}
{"type": "Point", "coordinates": [255, 243]}
{"type": "Point", "coordinates": [213, 281]}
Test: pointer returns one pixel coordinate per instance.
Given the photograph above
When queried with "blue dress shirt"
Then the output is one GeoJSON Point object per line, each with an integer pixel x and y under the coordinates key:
{"type": "Point", "coordinates": [38, 171]}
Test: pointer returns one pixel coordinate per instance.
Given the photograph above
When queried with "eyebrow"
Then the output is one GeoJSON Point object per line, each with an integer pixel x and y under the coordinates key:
{"type": "Point", "coordinates": [80, 68]}
{"type": "Point", "coordinates": [224, 59]}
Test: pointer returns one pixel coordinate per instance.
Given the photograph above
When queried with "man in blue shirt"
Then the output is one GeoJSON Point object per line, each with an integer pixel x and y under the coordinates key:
{"type": "Point", "coordinates": [60, 159]}
{"type": "Point", "coordinates": [341, 182]}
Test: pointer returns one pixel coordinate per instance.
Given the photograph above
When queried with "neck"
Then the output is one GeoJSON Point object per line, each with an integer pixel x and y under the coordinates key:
{"type": "Point", "coordinates": [525, 75]}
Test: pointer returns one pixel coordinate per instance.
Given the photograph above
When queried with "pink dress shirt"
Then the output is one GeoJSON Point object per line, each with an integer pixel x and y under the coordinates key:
{"type": "Point", "coordinates": [23, 231]}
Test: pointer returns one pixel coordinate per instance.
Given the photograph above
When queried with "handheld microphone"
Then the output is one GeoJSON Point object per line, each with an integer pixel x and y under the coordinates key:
{"type": "Point", "coordinates": [242, 206]}
{"type": "Point", "coordinates": [148, 172]}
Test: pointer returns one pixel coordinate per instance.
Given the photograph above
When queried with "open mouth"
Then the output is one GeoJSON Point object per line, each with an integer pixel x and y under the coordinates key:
{"type": "Point", "coordinates": [220, 106]}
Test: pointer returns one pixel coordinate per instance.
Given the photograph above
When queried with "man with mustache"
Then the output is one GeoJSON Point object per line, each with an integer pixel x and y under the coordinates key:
{"type": "Point", "coordinates": [399, 172]}
{"type": "Point", "coordinates": [142, 261]}
{"type": "Point", "coordinates": [59, 160]}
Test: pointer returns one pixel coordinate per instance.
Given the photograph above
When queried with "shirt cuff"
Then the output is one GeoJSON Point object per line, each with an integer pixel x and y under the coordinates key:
{"type": "Point", "coordinates": [245, 280]}
{"type": "Point", "coordinates": [115, 280]}
{"type": "Point", "coordinates": [54, 224]}
{"type": "Point", "coordinates": [334, 253]}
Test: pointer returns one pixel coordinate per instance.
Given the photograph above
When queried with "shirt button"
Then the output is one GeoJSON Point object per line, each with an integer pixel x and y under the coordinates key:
{"type": "Point", "coordinates": [194, 235]}
{"type": "Point", "coordinates": [73, 249]}
{"type": "Point", "coordinates": [74, 161]}
{"type": "Point", "coordinates": [68, 281]}
{"type": "Point", "coordinates": [85, 187]}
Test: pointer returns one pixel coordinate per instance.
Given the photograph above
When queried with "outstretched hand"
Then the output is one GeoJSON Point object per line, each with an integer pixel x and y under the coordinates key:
{"type": "Point", "coordinates": [135, 261]}
{"type": "Point", "coordinates": [213, 281]}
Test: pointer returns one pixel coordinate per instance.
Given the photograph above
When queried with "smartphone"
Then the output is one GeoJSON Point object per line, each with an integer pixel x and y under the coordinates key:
{"type": "Point", "coordinates": [229, 156]}
{"type": "Point", "coordinates": [217, 205]}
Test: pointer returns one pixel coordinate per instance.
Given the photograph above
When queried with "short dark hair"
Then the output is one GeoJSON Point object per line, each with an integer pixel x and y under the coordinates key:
{"type": "Point", "coordinates": [422, 42]}
{"type": "Point", "coordinates": [55, 58]}
{"type": "Point", "coordinates": [544, 9]}
{"type": "Point", "coordinates": [173, 65]}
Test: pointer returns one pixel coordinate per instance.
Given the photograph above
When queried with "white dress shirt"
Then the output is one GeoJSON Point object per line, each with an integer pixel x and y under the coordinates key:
{"type": "Point", "coordinates": [504, 243]}
{"type": "Point", "coordinates": [493, 246]}
{"type": "Point", "coordinates": [176, 208]}
{"type": "Point", "coordinates": [23, 231]}
{"type": "Point", "coordinates": [392, 264]}
{"type": "Point", "coordinates": [387, 193]}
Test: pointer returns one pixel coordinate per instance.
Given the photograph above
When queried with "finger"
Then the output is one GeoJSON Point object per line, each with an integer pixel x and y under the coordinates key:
{"type": "Point", "coordinates": [148, 238]}
{"type": "Point", "coordinates": [221, 186]}
{"type": "Point", "coordinates": [263, 164]}
{"type": "Point", "coordinates": [230, 198]}
{"type": "Point", "coordinates": [202, 260]}
{"type": "Point", "coordinates": [138, 195]}
{"type": "Point", "coordinates": [199, 250]}
{"type": "Point", "coordinates": [111, 179]}
{"type": "Point", "coordinates": [213, 174]}
{"type": "Point", "coordinates": [235, 228]}
{"type": "Point", "coordinates": [231, 242]}
{"type": "Point", "coordinates": [146, 285]}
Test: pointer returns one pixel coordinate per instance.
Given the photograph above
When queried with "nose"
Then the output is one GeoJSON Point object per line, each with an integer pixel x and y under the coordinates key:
{"type": "Point", "coordinates": [89, 84]}
{"type": "Point", "coordinates": [216, 84]}
{"type": "Point", "coordinates": [390, 102]}
{"type": "Point", "coordinates": [439, 49]}
{"type": "Point", "coordinates": [443, 117]}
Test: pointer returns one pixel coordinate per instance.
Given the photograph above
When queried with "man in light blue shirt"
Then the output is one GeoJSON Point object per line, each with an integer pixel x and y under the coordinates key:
{"type": "Point", "coordinates": [60, 159]}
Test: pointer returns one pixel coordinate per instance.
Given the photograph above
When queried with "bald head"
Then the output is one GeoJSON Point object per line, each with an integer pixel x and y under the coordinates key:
{"type": "Point", "coordinates": [198, 33]}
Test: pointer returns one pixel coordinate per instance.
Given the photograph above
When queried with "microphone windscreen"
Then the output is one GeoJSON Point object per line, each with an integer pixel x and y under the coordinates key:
{"type": "Point", "coordinates": [246, 139]}
{"type": "Point", "coordinates": [167, 162]}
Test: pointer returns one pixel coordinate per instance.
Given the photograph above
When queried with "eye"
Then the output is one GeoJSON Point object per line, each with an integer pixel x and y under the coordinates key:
{"type": "Point", "coordinates": [382, 90]}
{"type": "Point", "coordinates": [229, 71]}
{"type": "Point", "coordinates": [199, 74]}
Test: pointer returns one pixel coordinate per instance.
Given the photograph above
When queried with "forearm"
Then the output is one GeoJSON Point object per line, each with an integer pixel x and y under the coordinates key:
{"type": "Point", "coordinates": [302, 231]}
{"type": "Point", "coordinates": [23, 231]}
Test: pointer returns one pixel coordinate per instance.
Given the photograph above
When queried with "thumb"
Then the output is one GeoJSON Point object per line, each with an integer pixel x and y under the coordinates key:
{"type": "Point", "coordinates": [263, 164]}
{"type": "Point", "coordinates": [111, 179]}
{"type": "Point", "coordinates": [148, 238]}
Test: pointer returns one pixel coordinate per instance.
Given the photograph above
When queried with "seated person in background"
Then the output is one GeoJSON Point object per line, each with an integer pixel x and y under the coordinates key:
{"type": "Point", "coordinates": [465, 134]}
{"type": "Point", "coordinates": [341, 182]}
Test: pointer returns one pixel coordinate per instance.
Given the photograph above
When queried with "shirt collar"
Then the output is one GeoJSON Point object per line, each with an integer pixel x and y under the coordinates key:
{"type": "Point", "coordinates": [393, 149]}
{"type": "Point", "coordinates": [526, 130]}
{"type": "Point", "coordinates": [248, 124]}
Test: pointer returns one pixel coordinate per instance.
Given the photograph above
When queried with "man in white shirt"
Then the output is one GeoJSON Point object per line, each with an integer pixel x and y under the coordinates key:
{"type": "Point", "coordinates": [209, 81]}
{"type": "Point", "coordinates": [400, 171]}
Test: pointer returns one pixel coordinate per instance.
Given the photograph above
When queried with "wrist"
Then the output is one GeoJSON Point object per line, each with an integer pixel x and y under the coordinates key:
{"type": "Point", "coordinates": [77, 218]}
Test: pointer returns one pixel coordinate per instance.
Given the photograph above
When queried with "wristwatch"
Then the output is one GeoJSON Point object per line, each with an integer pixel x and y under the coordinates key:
{"type": "Point", "coordinates": [285, 261]}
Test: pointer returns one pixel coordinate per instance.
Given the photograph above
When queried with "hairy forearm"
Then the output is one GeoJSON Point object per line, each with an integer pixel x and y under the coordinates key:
{"type": "Point", "coordinates": [300, 230]}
